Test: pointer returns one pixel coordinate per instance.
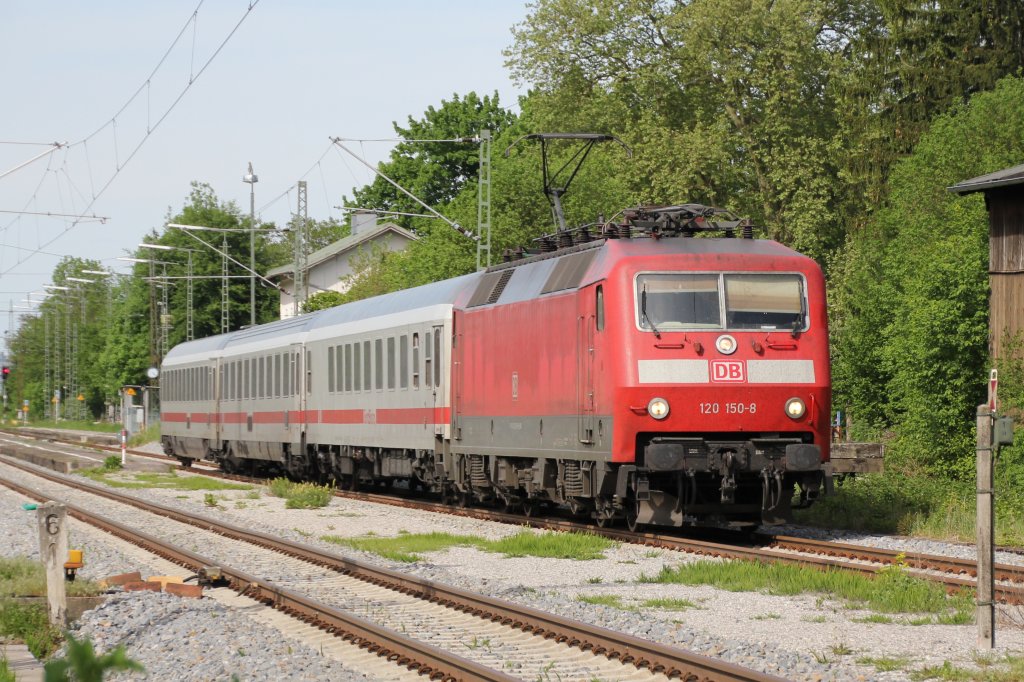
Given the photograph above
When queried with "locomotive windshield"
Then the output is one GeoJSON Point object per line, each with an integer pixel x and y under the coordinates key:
{"type": "Point", "coordinates": [670, 301]}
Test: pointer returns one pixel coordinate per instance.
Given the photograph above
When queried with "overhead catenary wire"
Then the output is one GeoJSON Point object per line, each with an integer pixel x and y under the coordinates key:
{"type": "Point", "coordinates": [80, 216]}
{"type": "Point", "coordinates": [151, 126]}
{"type": "Point", "coordinates": [461, 230]}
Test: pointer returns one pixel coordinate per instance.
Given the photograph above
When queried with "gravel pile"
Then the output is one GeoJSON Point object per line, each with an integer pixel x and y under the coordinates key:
{"type": "Point", "coordinates": [198, 639]}
{"type": "Point", "coordinates": [807, 637]}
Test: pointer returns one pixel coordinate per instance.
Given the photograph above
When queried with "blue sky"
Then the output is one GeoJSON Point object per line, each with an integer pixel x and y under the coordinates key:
{"type": "Point", "coordinates": [292, 75]}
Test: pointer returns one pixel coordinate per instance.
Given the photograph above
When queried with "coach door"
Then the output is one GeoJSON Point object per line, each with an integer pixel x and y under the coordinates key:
{"type": "Point", "coordinates": [297, 382]}
{"type": "Point", "coordinates": [585, 326]}
{"type": "Point", "coordinates": [216, 402]}
{"type": "Point", "coordinates": [437, 378]}
{"type": "Point", "coordinates": [458, 351]}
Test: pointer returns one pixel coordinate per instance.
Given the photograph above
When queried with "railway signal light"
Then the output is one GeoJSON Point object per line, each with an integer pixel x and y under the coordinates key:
{"type": "Point", "coordinates": [6, 371]}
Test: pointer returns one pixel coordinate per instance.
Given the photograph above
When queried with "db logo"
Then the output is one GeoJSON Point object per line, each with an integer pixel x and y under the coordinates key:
{"type": "Point", "coordinates": [728, 370]}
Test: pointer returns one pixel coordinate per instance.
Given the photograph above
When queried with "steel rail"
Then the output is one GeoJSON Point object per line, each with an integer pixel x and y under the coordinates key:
{"type": "Point", "coordinates": [641, 653]}
{"type": "Point", "coordinates": [428, 660]}
{"type": "Point", "coordinates": [826, 551]}
{"type": "Point", "coordinates": [935, 562]}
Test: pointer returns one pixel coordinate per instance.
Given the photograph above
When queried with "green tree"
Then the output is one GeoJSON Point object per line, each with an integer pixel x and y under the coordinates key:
{"type": "Point", "coordinates": [724, 102]}
{"type": "Point", "coordinates": [69, 331]}
{"type": "Point", "coordinates": [322, 300]}
{"type": "Point", "coordinates": [133, 343]}
{"type": "Point", "coordinates": [905, 62]}
{"type": "Point", "coordinates": [434, 171]}
{"type": "Point", "coordinates": [910, 321]}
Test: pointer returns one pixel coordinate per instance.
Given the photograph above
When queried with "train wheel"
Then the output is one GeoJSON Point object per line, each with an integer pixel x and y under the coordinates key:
{"type": "Point", "coordinates": [530, 507]}
{"type": "Point", "coordinates": [465, 499]}
{"type": "Point", "coordinates": [186, 462]}
{"type": "Point", "coordinates": [632, 512]}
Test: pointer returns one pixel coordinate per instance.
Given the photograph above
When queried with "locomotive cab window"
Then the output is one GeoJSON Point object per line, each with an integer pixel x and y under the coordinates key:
{"type": "Point", "coordinates": [677, 301]}
{"type": "Point", "coordinates": [764, 301]}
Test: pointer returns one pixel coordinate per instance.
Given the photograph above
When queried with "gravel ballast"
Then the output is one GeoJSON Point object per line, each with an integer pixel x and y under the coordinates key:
{"type": "Point", "coordinates": [807, 637]}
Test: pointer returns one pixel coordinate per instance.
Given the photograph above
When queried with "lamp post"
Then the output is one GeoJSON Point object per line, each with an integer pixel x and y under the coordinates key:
{"type": "Point", "coordinates": [252, 179]}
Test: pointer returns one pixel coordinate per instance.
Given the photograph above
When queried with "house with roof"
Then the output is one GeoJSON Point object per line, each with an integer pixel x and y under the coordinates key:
{"type": "Point", "coordinates": [328, 269]}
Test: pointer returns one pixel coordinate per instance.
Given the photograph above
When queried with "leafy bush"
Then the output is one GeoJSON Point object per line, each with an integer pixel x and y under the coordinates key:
{"type": "Point", "coordinates": [280, 487]}
{"type": "Point", "coordinates": [112, 463]}
{"type": "Point", "coordinates": [910, 296]}
{"type": "Point", "coordinates": [309, 496]}
{"type": "Point", "coordinates": [81, 664]}
{"type": "Point", "coordinates": [301, 495]}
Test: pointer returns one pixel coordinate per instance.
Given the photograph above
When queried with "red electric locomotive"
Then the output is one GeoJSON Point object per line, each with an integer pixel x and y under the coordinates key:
{"type": "Point", "coordinates": [651, 375]}
{"type": "Point", "coordinates": [639, 370]}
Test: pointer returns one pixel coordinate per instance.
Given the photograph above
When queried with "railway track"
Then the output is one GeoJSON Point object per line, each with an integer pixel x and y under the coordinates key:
{"type": "Point", "coordinates": [954, 572]}
{"type": "Point", "coordinates": [325, 589]}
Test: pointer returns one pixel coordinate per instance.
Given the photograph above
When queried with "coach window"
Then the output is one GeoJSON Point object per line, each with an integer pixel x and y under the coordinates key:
{"type": "Point", "coordinates": [391, 362]}
{"type": "Point", "coordinates": [246, 380]}
{"type": "Point", "coordinates": [437, 357]}
{"type": "Point", "coordinates": [297, 365]}
{"type": "Point", "coordinates": [260, 379]}
{"type": "Point", "coordinates": [339, 365]}
{"type": "Point", "coordinates": [358, 366]}
{"type": "Point", "coordinates": [403, 361]}
{"type": "Point", "coordinates": [276, 359]}
{"type": "Point", "coordinates": [367, 367]}
{"type": "Point", "coordinates": [269, 376]}
{"type": "Point", "coordinates": [238, 379]}
{"type": "Point", "coordinates": [600, 307]}
{"type": "Point", "coordinates": [286, 384]}
{"type": "Point", "coordinates": [378, 365]}
{"type": "Point", "coordinates": [428, 362]}
{"type": "Point", "coordinates": [330, 370]}
{"type": "Point", "coordinates": [416, 360]}
{"type": "Point", "coordinates": [348, 367]}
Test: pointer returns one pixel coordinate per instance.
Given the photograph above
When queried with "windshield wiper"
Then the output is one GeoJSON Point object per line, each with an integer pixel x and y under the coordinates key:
{"type": "Point", "coordinates": [643, 312]}
{"type": "Point", "coordinates": [799, 322]}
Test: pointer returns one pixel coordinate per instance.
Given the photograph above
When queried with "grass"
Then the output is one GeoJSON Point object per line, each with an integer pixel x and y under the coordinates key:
{"type": "Point", "coordinates": [409, 547]}
{"type": "Point", "coordinates": [301, 495]}
{"type": "Point", "coordinates": [611, 600]}
{"type": "Point", "coordinates": [28, 623]}
{"type": "Point", "coordinates": [891, 590]}
{"type": "Point", "coordinates": [885, 664]}
{"type": "Point", "coordinates": [102, 427]}
{"type": "Point", "coordinates": [932, 507]}
{"type": "Point", "coordinates": [166, 481]}
{"type": "Point", "coordinates": [874, 618]}
{"type": "Point", "coordinates": [6, 674]}
{"type": "Point", "coordinates": [21, 577]}
{"type": "Point", "coordinates": [669, 604]}
{"type": "Point", "coordinates": [150, 434]}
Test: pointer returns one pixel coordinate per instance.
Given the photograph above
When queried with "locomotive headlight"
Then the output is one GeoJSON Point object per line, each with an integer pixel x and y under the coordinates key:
{"type": "Point", "coordinates": [658, 408]}
{"type": "Point", "coordinates": [725, 344]}
{"type": "Point", "coordinates": [795, 408]}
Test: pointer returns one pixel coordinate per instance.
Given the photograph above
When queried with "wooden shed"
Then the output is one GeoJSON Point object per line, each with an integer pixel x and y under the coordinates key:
{"type": "Point", "coordinates": [1004, 198]}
